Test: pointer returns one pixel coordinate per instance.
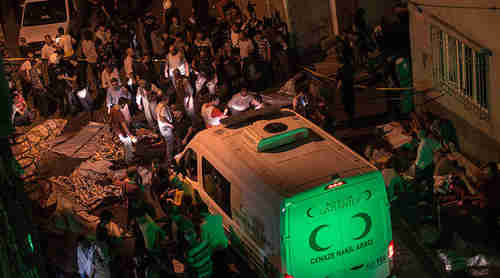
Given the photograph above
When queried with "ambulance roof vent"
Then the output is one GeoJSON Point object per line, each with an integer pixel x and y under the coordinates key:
{"type": "Point", "coordinates": [276, 127]}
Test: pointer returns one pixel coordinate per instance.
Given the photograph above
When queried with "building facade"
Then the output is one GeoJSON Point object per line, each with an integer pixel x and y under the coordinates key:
{"type": "Point", "coordinates": [455, 56]}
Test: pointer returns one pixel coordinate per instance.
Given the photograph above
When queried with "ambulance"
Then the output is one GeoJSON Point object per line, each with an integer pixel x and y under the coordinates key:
{"type": "Point", "coordinates": [299, 202]}
{"type": "Point", "coordinates": [44, 17]}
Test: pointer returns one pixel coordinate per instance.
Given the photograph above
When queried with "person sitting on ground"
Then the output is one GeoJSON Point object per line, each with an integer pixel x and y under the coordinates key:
{"type": "Point", "coordinates": [489, 192]}
{"type": "Point", "coordinates": [243, 101]}
{"type": "Point", "coordinates": [21, 114]}
{"type": "Point", "coordinates": [454, 220]}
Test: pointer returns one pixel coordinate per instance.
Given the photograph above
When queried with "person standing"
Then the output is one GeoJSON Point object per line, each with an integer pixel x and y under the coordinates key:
{"type": "Point", "coordinates": [169, 11]}
{"type": "Point", "coordinates": [263, 59]}
{"type": "Point", "coordinates": [48, 48]}
{"type": "Point", "coordinates": [110, 72]}
{"type": "Point", "coordinates": [85, 252]}
{"type": "Point", "coordinates": [128, 64]}
{"type": "Point", "coordinates": [115, 92]}
{"type": "Point", "coordinates": [69, 75]}
{"type": "Point", "coordinates": [65, 41]}
{"type": "Point", "coordinates": [176, 60]}
{"type": "Point", "coordinates": [211, 113]}
{"type": "Point", "coordinates": [182, 87]}
{"type": "Point", "coordinates": [345, 82]}
{"type": "Point", "coordinates": [147, 100]}
{"type": "Point", "coordinates": [90, 53]}
{"type": "Point", "coordinates": [120, 128]}
{"type": "Point", "coordinates": [166, 119]}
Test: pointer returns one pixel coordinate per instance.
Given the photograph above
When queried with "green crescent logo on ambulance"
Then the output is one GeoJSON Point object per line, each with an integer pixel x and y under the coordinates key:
{"type": "Point", "coordinates": [368, 224]}
{"type": "Point", "coordinates": [313, 242]}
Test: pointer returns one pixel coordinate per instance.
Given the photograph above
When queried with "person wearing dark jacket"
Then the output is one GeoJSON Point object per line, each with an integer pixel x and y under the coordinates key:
{"type": "Point", "coordinates": [345, 82]}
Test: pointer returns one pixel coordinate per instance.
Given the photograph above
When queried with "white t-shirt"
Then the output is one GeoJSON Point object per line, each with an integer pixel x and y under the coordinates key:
{"type": "Point", "coordinates": [65, 43]}
{"type": "Point", "coordinates": [242, 103]}
{"type": "Point", "coordinates": [127, 64]}
{"type": "Point", "coordinates": [47, 50]}
{"type": "Point", "coordinates": [106, 78]}
{"type": "Point", "coordinates": [88, 48]}
{"type": "Point", "coordinates": [246, 47]}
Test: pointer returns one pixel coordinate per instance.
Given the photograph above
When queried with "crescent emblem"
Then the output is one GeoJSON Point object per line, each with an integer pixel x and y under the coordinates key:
{"type": "Point", "coordinates": [309, 213]}
{"type": "Point", "coordinates": [368, 194]}
{"type": "Point", "coordinates": [312, 239]}
{"type": "Point", "coordinates": [368, 224]}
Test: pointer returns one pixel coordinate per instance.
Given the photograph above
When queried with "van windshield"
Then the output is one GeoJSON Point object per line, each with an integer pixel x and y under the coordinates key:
{"type": "Point", "coordinates": [45, 12]}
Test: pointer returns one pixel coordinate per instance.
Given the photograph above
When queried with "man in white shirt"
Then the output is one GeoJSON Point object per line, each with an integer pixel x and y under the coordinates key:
{"type": "Point", "coordinates": [48, 48]}
{"type": "Point", "coordinates": [128, 64]}
{"type": "Point", "coordinates": [109, 73]}
{"type": "Point", "coordinates": [175, 60]}
{"type": "Point", "coordinates": [165, 119]}
{"type": "Point", "coordinates": [246, 46]}
{"type": "Point", "coordinates": [65, 41]}
{"type": "Point", "coordinates": [242, 101]}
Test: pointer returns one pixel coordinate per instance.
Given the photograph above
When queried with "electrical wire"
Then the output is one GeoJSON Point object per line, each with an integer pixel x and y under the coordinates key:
{"type": "Point", "coordinates": [454, 7]}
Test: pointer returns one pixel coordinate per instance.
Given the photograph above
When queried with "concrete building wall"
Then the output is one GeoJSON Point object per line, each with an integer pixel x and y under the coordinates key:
{"type": "Point", "coordinates": [479, 138]}
{"type": "Point", "coordinates": [375, 10]}
{"type": "Point", "coordinates": [310, 21]}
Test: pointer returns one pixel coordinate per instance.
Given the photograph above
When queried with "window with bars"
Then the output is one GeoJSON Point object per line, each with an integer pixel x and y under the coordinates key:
{"type": "Point", "coordinates": [460, 70]}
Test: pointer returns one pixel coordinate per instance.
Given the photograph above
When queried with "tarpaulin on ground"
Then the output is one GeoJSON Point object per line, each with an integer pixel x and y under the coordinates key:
{"type": "Point", "coordinates": [85, 143]}
{"type": "Point", "coordinates": [32, 145]}
{"type": "Point", "coordinates": [90, 184]}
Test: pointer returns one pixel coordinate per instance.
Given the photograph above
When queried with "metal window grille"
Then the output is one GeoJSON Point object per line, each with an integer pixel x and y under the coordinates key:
{"type": "Point", "coordinates": [461, 71]}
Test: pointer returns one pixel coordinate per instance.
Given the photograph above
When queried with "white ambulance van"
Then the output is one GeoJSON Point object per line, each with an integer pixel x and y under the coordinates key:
{"type": "Point", "coordinates": [44, 17]}
{"type": "Point", "coordinates": [302, 203]}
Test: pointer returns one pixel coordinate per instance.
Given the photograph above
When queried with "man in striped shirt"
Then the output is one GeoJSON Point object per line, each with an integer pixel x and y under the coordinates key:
{"type": "Point", "coordinates": [263, 48]}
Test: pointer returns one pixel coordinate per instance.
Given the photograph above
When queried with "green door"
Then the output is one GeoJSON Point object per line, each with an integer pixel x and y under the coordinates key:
{"type": "Point", "coordinates": [339, 232]}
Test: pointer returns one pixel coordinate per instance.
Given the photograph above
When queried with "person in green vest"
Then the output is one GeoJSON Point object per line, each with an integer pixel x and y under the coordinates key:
{"type": "Point", "coordinates": [446, 131]}
{"type": "Point", "coordinates": [392, 179]}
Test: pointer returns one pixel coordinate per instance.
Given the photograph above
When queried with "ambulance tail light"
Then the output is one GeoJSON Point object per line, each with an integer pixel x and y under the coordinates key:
{"type": "Point", "coordinates": [335, 184]}
{"type": "Point", "coordinates": [390, 250]}
{"type": "Point", "coordinates": [288, 276]}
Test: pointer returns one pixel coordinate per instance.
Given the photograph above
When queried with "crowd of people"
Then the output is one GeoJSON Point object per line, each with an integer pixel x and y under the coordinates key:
{"type": "Point", "coordinates": [171, 75]}
{"type": "Point", "coordinates": [177, 75]}
{"type": "Point", "coordinates": [432, 171]}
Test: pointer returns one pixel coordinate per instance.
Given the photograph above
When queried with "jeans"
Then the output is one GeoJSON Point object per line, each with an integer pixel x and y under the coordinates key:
{"type": "Point", "coordinates": [72, 100]}
{"type": "Point", "coordinates": [85, 100]}
{"type": "Point", "coordinates": [128, 147]}
{"type": "Point", "coordinates": [169, 149]}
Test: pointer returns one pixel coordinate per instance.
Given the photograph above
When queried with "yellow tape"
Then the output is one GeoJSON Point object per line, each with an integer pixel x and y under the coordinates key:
{"type": "Point", "coordinates": [178, 197]}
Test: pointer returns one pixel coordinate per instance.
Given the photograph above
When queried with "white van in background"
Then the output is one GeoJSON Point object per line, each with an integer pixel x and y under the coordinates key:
{"type": "Point", "coordinates": [44, 17]}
